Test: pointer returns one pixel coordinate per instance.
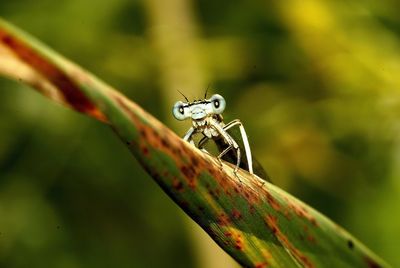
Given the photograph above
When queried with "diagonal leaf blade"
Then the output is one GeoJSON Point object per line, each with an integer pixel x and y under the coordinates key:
{"type": "Point", "coordinates": [257, 223]}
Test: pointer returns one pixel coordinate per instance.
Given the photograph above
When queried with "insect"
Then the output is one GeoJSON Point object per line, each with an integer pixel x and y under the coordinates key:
{"type": "Point", "coordinates": [206, 116]}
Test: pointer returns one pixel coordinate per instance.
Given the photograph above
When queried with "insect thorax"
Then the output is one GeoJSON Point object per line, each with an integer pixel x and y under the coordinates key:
{"type": "Point", "coordinates": [206, 126]}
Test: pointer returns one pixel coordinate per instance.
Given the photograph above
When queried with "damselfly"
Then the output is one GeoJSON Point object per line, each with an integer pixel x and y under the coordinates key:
{"type": "Point", "coordinates": [206, 116]}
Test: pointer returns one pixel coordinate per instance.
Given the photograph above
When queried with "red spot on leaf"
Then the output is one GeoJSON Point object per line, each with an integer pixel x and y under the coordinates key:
{"type": "Point", "coordinates": [177, 184]}
{"type": "Point", "coordinates": [236, 214]}
{"type": "Point", "coordinates": [145, 150]}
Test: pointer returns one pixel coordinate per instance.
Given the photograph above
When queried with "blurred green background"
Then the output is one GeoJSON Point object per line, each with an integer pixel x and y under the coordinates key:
{"type": "Point", "coordinates": [316, 83]}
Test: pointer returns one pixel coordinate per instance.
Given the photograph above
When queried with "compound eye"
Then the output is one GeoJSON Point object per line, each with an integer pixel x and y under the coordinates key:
{"type": "Point", "coordinates": [179, 111]}
{"type": "Point", "coordinates": [218, 103]}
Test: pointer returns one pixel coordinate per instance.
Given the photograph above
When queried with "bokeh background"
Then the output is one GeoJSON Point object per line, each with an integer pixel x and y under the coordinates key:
{"type": "Point", "coordinates": [315, 82]}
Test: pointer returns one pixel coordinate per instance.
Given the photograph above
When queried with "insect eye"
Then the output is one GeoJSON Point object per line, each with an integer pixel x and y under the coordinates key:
{"type": "Point", "coordinates": [178, 111]}
{"type": "Point", "coordinates": [218, 103]}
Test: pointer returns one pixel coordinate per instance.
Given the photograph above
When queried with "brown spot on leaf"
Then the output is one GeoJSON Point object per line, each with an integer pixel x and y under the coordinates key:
{"type": "Point", "coordinates": [142, 132]}
{"type": "Point", "coordinates": [272, 201]}
{"type": "Point", "coordinates": [145, 150]}
{"type": "Point", "coordinates": [59, 78]}
{"type": "Point", "coordinates": [371, 263]}
{"type": "Point", "coordinates": [249, 194]}
{"type": "Point", "coordinates": [188, 171]}
{"type": "Point", "coordinates": [217, 192]}
{"type": "Point", "coordinates": [272, 223]}
{"type": "Point", "coordinates": [164, 142]}
{"type": "Point", "coordinates": [287, 215]}
{"type": "Point", "coordinates": [228, 193]}
{"type": "Point", "coordinates": [194, 160]}
{"type": "Point", "coordinates": [177, 184]}
{"type": "Point", "coordinates": [191, 175]}
{"type": "Point", "coordinates": [239, 245]}
{"type": "Point", "coordinates": [223, 219]}
{"type": "Point", "coordinates": [311, 238]}
{"type": "Point", "coordinates": [236, 214]}
{"type": "Point", "coordinates": [235, 239]}
{"type": "Point", "coordinates": [192, 183]}
{"type": "Point", "coordinates": [252, 209]}
{"type": "Point", "coordinates": [302, 212]}
{"type": "Point", "coordinates": [228, 234]}
{"type": "Point", "coordinates": [261, 265]}
{"type": "Point", "coordinates": [213, 194]}
{"type": "Point", "coordinates": [176, 150]}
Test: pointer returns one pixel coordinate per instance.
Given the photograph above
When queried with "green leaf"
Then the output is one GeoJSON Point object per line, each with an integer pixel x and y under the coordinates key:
{"type": "Point", "coordinates": [257, 223]}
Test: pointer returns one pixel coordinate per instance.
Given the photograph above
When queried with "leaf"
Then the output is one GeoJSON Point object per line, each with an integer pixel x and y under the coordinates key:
{"type": "Point", "coordinates": [257, 223]}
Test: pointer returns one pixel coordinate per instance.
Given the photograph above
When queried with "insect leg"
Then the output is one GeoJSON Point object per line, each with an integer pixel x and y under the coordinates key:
{"type": "Point", "coordinates": [201, 144]}
{"type": "Point", "coordinates": [231, 142]}
{"type": "Point", "coordinates": [233, 145]}
{"type": "Point", "coordinates": [219, 157]}
{"type": "Point", "coordinates": [246, 144]}
{"type": "Point", "coordinates": [224, 151]}
{"type": "Point", "coordinates": [188, 136]}
{"type": "Point", "coordinates": [203, 141]}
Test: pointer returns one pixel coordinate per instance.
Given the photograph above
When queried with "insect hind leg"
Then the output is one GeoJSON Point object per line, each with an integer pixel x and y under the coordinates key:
{"type": "Point", "coordinates": [233, 145]}
{"type": "Point", "coordinates": [246, 144]}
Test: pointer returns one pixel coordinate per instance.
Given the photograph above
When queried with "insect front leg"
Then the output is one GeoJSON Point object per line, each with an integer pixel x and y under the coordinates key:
{"type": "Point", "coordinates": [188, 136]}
{"type": "Point", "coordinates": [201, 144]}
{"type": "Point", "coordinates": [246, 144]}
